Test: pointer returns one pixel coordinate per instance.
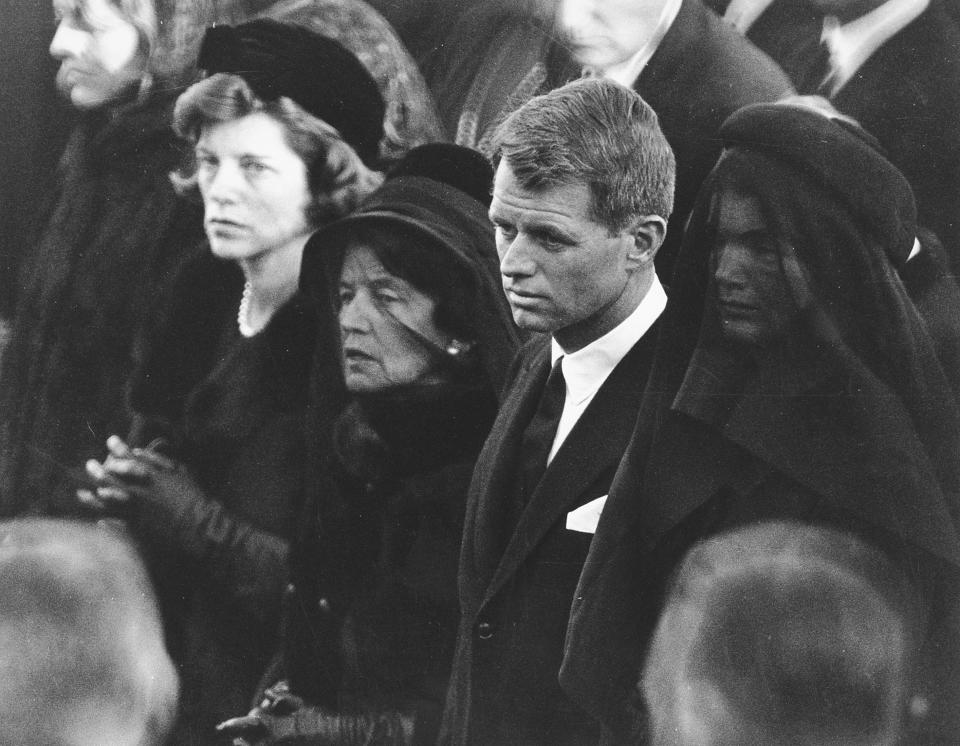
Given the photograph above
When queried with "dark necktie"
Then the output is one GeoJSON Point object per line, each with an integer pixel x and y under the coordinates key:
{"type": "Point", "coordinates": [540, 433]}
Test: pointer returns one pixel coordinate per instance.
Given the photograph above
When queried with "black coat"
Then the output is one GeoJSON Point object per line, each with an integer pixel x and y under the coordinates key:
{"type": "Point", "coordinates": [515, 600]}
{"type": "Point", "coordinates": [113, 237]}
{"type": "Point", "coordinates": [371, 616]}
{"type": "Point", "coordinates": [231, 410]}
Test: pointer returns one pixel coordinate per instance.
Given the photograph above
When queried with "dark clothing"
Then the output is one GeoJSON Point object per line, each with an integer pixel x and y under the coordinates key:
{"type": "Point", "coordinates": [515, 601]}
{"type": "Point", "coordinates": [933, 290]}
{"type": "Point", "coordinates": [847, 421]}
{"type": "Point", "coordinates": [232, 410]}
{"type": "Point", "coordinates": [372, 617]}
{"type": "Point", "coordinates": [905, 94]}
{"type": "Point", "coordinates": [114, 234]}
{"type": "Point", "coordinates": [701, 73]}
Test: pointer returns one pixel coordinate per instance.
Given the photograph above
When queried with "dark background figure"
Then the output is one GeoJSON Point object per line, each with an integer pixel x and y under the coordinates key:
{"type": "Point", "coordinates": [33, 129]}
{"type": "Point", "coordinates": [693, 69]}
{"type": "Point", "coordinates": [896, 71]}
{"type": "Point", "coordinates": [794, 380]}
{"type": "Point", "coordinates": [110, 238]}
{"type": "Point", "coordinates": [425, 342]}
{"type": "Point", "coordinates": [212, 478]}
{"type": "Point", "coordinates": [582, 191]}
{"type": "Point", "coordinates": [82, 656]}
{"type": "Point", "coordinates": [782, 633]}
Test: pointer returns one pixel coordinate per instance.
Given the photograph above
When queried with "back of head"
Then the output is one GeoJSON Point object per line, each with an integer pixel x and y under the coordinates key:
{"type": "Point", "coordinates": [596, 132]}
{"type": "Point", "coordinates": [781, 633]}
{"type": "Point", "coordinates": [82, 656]}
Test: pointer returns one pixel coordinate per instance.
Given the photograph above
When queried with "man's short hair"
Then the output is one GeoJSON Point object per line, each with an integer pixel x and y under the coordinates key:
{"type": "Point", "coordinates": [82, 655]}
{"type": "Point", "coordinates": [787, 632]}
{"type": "Point", "coordinates": [597, 132]}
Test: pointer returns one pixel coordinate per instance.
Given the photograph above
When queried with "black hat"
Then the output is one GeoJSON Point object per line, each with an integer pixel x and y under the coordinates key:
{"type": "Point", "coordinates": [460, 167]}
{"type": "Point", "coordinates": [842, 158]}
{"type": "Point", "coordinates": [281, 59]}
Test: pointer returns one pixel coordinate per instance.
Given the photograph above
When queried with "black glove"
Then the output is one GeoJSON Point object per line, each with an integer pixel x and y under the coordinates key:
{"type": "Point", "coordinates": [170, 513]}
{"type": "Point", "coordinates": [315, 727]}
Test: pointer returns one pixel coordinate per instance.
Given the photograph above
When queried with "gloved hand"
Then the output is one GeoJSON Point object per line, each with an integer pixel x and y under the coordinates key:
{"type": "Point", "coordinates": [156, 495]}
{"type": "Point", "coordinates": [310, 725]}
{"type": "Point", "coordinates": [171, 515]}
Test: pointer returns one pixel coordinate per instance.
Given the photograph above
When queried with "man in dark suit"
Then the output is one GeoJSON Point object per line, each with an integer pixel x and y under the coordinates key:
{"type": "Point", "coordinates": [583, 188]}
{"type": "Point", "coordinates": [894, 66]}
{"type": "Point", "coordinates": [690, 66]}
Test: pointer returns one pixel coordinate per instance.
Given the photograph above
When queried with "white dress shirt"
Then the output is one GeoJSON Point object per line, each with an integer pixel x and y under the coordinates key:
{"type": "Point", "coordinates": [626, 73]}
{"type": "Point", "coordinates": [585, 370]}
{"type": "Point", "coordinates": [853, 43]}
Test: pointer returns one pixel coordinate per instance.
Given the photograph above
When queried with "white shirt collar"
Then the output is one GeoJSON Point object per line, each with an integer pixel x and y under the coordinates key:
{"type": "Point", "coordinates": [853, 43]}
{"type": "Point", "coordinates": [586, 369]}
{"type": "Point", "coordinates": [742, 14]}
{"type": "Point", "coordinates": [625, 73]}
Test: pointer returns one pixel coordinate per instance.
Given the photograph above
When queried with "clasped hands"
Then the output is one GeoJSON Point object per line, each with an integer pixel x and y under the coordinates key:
{"type": "Point", "coordinates": [143, 486]}
{"type": "Point", "coordinates": [122, 475]}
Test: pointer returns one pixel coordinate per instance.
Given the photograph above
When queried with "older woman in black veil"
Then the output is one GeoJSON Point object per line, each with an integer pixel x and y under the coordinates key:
{"type": "Point", "coordinates": [795, 379]}
{"type": "Point", "coordinates": [411, 281]}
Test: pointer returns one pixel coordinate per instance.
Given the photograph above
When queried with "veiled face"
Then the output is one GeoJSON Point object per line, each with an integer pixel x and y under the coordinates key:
{"type": "Point", "coordinates": [99, 52]}
{"type": "Point", "coordinates": [755, 302]}
{"type": "Point", "coordinates": [387, 326]}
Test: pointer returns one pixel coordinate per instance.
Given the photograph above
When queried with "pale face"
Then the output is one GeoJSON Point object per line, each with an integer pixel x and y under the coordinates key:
{"type": "Point", "coordinates": [563, 273]}
{"type": "Point", "coordinates": [602, 33]}
{"type": "Point", "coordinates": [254, 188]}
{"type": "Point", "coordinates": [99, 53]}
{"type": "Point", "coordinates": [378, 310]}
{"type": "Point", "coordinates": [755, 301]}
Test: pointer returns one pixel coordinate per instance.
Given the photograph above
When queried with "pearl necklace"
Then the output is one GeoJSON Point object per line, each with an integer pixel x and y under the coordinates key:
{"type": "Point", "coordinates": [243, 313]}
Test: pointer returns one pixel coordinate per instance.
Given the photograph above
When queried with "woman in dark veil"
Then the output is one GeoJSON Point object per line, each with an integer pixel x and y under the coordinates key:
{"type": "Point", "coordinates": [795, 380]}
{"type": "Point", "coordinates": [424, 339]}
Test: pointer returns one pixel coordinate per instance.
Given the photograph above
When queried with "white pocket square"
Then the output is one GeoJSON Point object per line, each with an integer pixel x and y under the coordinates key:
{"type": "Point", "coordinates": [586, 517]}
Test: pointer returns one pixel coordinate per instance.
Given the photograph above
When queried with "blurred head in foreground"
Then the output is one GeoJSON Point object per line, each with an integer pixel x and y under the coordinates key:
{"type": "Point", "coordinates": [82, 656]}
{"type": "Point", "coordinates": [781, 634]}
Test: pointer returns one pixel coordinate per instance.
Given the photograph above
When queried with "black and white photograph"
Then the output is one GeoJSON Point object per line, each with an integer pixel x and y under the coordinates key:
{"type": "Point", "coordinates": [480, 373]}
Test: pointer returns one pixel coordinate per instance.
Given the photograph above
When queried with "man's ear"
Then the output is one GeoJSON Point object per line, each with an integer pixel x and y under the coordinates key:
{"type": "Point", "coordinates": [648, 232]}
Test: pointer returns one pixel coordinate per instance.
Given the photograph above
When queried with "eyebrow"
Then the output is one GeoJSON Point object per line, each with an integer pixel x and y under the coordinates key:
{"type": "Point", "coordinates": [199, 148]}
{"type": "Point", "coordinates": [387, 281]}
{"type": "Point", "coordinates": [550, 231]}
{"type": "Point", "coordinates": [536, 228]}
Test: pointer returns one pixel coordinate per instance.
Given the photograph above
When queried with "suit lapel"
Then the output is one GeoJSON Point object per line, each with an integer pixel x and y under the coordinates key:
{"type": "Point", "coordinates": [492, 484]}
{"type": "Point", "coordinates": [595, 444]}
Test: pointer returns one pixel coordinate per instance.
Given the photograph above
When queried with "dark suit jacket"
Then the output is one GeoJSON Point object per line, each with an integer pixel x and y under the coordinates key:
{"type": "Point", "coordinates": [907, 94]}
{"type": "Point", "coordinates": [515, 601]}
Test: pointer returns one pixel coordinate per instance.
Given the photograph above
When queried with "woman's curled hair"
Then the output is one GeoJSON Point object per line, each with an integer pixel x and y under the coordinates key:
{"type": "Point", "coordinates": [337, 177]}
